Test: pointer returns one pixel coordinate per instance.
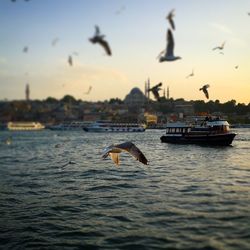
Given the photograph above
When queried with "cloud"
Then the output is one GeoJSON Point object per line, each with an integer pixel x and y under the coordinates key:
{"type": "Point", "coordinates": [221, 27]}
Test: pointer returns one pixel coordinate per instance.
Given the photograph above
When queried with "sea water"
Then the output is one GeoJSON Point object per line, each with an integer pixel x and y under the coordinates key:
{"type": "Point", "coordinates": [188, 197]}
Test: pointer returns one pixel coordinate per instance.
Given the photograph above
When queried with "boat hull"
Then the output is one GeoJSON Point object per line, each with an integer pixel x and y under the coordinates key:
{"type": "Point", "coordinates": [113, 130]}
{"type": "Point", "coordinates": [209, 139]}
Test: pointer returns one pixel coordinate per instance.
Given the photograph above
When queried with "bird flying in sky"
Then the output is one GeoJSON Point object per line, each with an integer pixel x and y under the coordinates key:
{"type": "Point", "coordinates": [169, 17]}
{"type": "Point", "coordinates": [191, 74]}
{"type": "Point", "coordinates": [169, 52]}
{"type": "Point", "coordinates": [98, 38]}
{"type": "Point", "coordinates": [115, 150]}
{"type": "Point", "coordinates": [55, 41]}
{"type": "Point", "coordinates": [204, 89]}
{"type": "Point", "coordinates": [25, 49]}
{"type": "Point", "coordinates": [155, 90]}
{"type": "Point", "coordinates": [70, 60]}
{"type": "Point", "coordinates": [88, 91]}
{"type": "Point", "coordinates": [221, 47]}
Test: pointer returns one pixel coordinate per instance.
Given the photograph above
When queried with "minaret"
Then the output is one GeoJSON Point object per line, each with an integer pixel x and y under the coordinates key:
{"type": "Point", "coordinates": [148, 87]}
{"type": "Point", "coordinates": [27, 92]}
{"type": "Point", "coordinates": [168, 93]}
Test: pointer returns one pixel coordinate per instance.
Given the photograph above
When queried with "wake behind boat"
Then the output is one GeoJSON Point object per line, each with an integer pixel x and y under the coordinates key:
{"type": "Point", "coordinates": [109, 126]}
{"type": "Point", "coordinates": [209, 132]}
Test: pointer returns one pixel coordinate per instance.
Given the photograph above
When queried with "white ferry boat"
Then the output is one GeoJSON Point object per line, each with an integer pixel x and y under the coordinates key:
{"type": "Point", "coordinates": [21, 126]}
{"type": "Point", "coordinates": [74, 125]}
{"type": "Point", "coordinates": [108, 126]}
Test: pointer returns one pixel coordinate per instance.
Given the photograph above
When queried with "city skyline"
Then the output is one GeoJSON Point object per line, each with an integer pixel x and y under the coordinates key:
{"type": "Point", "coordinates": [136, 32]}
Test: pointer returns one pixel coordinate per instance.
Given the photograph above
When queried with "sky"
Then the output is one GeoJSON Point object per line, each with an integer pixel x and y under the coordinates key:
{"type": "Point", "coordinates": [136, 32]}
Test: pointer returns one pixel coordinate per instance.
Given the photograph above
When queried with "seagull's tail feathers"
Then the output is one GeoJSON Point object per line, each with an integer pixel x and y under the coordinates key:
{"type": "Point", "coordinates": [115, 158]}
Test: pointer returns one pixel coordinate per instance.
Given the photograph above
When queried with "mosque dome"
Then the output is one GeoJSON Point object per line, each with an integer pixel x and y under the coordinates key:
{"type": "Point", "coordinates": [135, 97]}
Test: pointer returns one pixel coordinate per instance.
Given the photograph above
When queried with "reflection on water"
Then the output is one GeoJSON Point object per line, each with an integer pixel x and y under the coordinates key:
{"type": "Point", "coordinates": [189, 197]}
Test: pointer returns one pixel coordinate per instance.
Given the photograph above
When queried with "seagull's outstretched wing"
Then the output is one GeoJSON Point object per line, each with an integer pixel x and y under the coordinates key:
{"type": "Point", "coordinates": [160, 54]}
{"type": "Point", "coordinates": [133, 150]}
{"type": "Point", "coordinates": [206, 93]}
{"type": "Point", "coordinates": [97, 30]}
{"type": "Point", "coordinates": [105, 45]}
{"type": "Point", "coordinates": [170, 43]}
{"type": "Point", "coordinates": [170, 19]}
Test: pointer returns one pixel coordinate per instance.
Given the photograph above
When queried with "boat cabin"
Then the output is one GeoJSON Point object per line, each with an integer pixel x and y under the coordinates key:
{"type": "Point", "coordinates": [212, 126]}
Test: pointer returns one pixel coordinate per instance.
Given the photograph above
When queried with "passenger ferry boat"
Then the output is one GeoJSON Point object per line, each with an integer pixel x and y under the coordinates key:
{"type": "Point", "coordinates": [108, 126]}
{"type": "Point", "coordinates": [74, 125]}
{"type": "Point", "coordinates": [21, 126]}
{"type": "Point", "coordinates": [210, 132]}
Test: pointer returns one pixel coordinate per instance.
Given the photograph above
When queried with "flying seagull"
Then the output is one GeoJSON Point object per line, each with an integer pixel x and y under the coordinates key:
{"type": "Point", "coordinates": [55, 41]}
{"type": "Point", "coordinates": [221, 47]}
{"type": "Point", "coordinates": [236, 67]}
{"type": "Point", "coordinates": [191, 74]}
{"type": "Point", "coordinates": [114, 150]}
{"type": "Point", "coordinates": [155, 90]}
{"type": "Point", "coordinates": [25, 49]}
{"type": "Point", "coordinates": [70, 60]}
{"type": "Point", "coordinates": [119, 11]}
{"type": "Point", "coordinates": [88, 91]}
{"type": "Point", "coordinates": [169, 52]}
{"type": "Point", "coordinates": [204, 89]}
{"type": "Point", "coordinates": [98, 38]}
{"type": "Point", "coordinates": [169, 17]}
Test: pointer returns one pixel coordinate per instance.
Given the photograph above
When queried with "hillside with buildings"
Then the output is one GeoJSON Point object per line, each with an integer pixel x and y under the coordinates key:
{"type": "Point", "coordinates": [135, 107]}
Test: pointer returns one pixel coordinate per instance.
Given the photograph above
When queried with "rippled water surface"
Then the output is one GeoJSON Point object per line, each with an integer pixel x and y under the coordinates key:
{"type": "Point", "coordinates": [189, 197]}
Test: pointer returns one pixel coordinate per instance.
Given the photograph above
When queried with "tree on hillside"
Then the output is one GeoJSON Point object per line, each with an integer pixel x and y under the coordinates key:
{"type": "Point", "coordinates": [68, 99]}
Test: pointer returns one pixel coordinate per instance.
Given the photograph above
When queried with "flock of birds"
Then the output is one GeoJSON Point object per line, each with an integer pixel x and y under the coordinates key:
{"type": "Point", "coordinates": [165, 55]}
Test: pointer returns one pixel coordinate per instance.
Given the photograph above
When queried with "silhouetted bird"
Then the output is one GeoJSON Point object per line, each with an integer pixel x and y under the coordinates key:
{"type": "Point", "coordinates": [55, 41]}
{"type": "Point", "coordinates": [70, 60]}
{"type": "Point", "coordinates": [220, 47]}
{"type": "Point", "coordinates": [25, 49]}
{"type": "Point", "coordinates": [169, 52]}
{"type": "Point", "coordinates": [169, 17]}
{"type": "Point", "coordinates": [155, 90]}
{"type": "Point", "coordinates": [114, 150]}
{"type": "Point", "coordinates": [236, 67]}
{"type": "Point", "coordinates": [191, 74]}
{"type": "Point", "coordinates": [204, 89]}
{"type": "Point", "coordinates": [120, 10]}
{"type": "Point", "coordinates": [88, 91]}
{"type": "Point", "coordinates": [98, 38]}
